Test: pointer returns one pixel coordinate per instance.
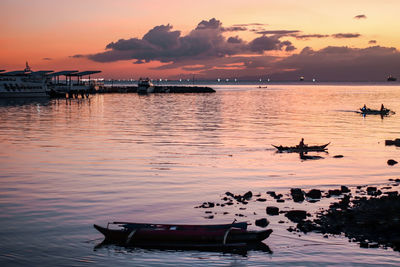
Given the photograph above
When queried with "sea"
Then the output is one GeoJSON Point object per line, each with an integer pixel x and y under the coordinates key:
{"type": "Point", "coordinates": [68, 164]}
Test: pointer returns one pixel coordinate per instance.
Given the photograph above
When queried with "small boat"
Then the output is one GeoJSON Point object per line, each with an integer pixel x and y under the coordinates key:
{"type": "Point", "coordinates": [390, 78]}
{"type": "Point", "coordinates": [145, 86]}
{"type": "Point", "coordinates": [369, 111]}
{"type": "Point", "coordinates": [182, 236]}
{"type": "Point", "coordinates": [298, 149]}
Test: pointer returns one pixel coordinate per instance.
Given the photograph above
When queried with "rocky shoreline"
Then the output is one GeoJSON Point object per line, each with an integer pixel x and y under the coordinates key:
{"type": "Point", "coordinates": [369, 215]}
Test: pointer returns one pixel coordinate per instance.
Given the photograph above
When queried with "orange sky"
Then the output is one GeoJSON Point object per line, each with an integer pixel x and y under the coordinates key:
{"type": "Point", "coordinates": [47, 33]}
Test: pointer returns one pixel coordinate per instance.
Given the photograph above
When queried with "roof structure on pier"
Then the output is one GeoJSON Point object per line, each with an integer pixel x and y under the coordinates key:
{"type": "Point", "coordinates": [42, 72]}
{"type": "Point", "coordinates": [16, 72]}
{"type": "Point", "coordinates": [86, 72]}
{"type": "Point", "coordinates": [63, 72]}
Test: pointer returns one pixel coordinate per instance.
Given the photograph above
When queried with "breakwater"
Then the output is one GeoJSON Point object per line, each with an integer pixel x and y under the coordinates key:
{"type": "Point", "coordinates": [158, 89]}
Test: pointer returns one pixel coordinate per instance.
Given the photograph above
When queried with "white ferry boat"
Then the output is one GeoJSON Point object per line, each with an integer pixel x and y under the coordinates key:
{"type": "Point", "coordinates": [145, 86]}
{"type": "Point", "coordinates": [28, 83]}
{"type": "Point", "coordinates": [24, 83]}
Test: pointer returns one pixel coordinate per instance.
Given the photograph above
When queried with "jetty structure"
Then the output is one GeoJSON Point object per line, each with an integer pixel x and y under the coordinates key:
{"type": "Point", "coordinates": [72, 84]}
{"type": "Point", "coordinates": [46, 83]}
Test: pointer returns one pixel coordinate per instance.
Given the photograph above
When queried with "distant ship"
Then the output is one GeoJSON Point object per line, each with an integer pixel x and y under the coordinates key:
{"type": "Point", "coordinates": [24, 83]}
{"type": "Point", "coordinates": [145, 86]}
{"type": "Point", "coordinates": [390, 78]}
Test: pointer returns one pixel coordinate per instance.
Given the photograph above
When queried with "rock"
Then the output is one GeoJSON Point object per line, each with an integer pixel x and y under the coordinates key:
{"type": "Point", "coordinates": [271, 193]}
{"type": "Point", "coordinates": [391, 162]}
{"type": "Point", "coordinates": [262, 222]}
{"type": "Point", "coordinates": [281, 221]}
{"type": "Point", "coordinates": [314, 193]}
{"type": "Point", "coordinates": [296, 215]}
{"type": "Point", "coordinates": [248, 195]}
{"type": "Point", "coordinates": [261, 199]}
{"type": "Point", "coordinates": [335, 192]}
{"type": "Point", "coordinates": [371, 189]}
{"type": "Point", "coordinates": [229, 194]}
{"type": "Point", "coordinates": [209, 217]}
{"type": "Point", "coordinates": [242, 208]}
{"type": "Point", "coordinates": [271, 210]}
{"type": "Point", "coordinates": [344, 189]}
{"type": "Point", "coordinates": [338, 156]}
{"type": "Point", "coordinates": [297, 194]}
{"type": "Point", "coordinates": [280, 200]}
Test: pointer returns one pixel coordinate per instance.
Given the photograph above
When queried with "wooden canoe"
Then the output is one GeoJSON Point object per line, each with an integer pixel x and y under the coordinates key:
{"type": "Point", "coordinates": [132, 225]}
{"type": "Point", "coordinates": [297, 149]}
{"type": "Point", "coordinates": [173, 238]}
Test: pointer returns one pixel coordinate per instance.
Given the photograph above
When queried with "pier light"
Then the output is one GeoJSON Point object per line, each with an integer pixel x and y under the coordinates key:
{"type": "Point", "coordinates": [180, 80]}
{"type": "Point", "coordinates": [260, 80]}
{"type": "Point", "coordinates": [313, 80]}
{"type": "Point", "coordinates": [227, 80]}
{"type": "Point", "coordinates": [235, 80]}
{"type": "Point", "coordinates": [268, 80]}
{"type": "Point", "coordinates": [218, 79]}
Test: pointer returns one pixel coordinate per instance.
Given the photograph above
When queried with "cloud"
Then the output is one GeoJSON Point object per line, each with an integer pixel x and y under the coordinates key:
{"type": "Point", "coordinates": [279, 32]}
{"type": "Point", "coordinates": [372, 41]}
{"type": "Point", "coordinates": [342, 63]}
{"type": "Point", "coordinates": [77, 56]}
{"type": "Point", "coordinates": [47, 58]}
{"type": "Point", "coordinates": [308, 36]}
{"type": "Point", "coordinates": [234, 29]}
{"type": "Point", "coordinates": [360, 17]}
{"type": "Point", "coordinates": [250, 24]}
{"type": "Point", "coordinates": [206, 41]}
{"type": "Point", "coordinates": [346, 35]}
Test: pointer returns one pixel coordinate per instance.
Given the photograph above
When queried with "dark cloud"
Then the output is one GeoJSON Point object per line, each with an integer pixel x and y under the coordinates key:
{"type": "Point", "coordinates": [234, 40]}
{"type": "Point", "coordinates": [372, 42]}
{"type": "Point", "coordinates": [265, 43]}
{"type": "Point", "coordinates": [234, 29]}
{"type": "Point", "coordinates": [211, 24]}
{"type": "Point", "coordinates": [360, 17]}
{"type": "Point", "coordinates": [250, 24]}
{"type": "Point", "coordinates": [47, 58]}
{"type": "Point", "coordinates": [308, 36]}
{"type": "Point", "coordinates": [342, 63]}
{"type": "Point", "coordinates": [346, 35]}
{"type": "Point", "coordinates": [206, 41]}
{"type": "Point", "coordinates": [77, 56]}
{"type": "Point", "coordinates": [278, 32]}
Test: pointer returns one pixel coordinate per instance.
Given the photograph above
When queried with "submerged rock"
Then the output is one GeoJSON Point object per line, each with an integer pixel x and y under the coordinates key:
{"type": "Point", "coordinates": [314, 193]}
{"type": "Point", "coordinates": [271, 210]}
{"type": "Point", "coordinates": [296, 215]}
{"type": "Point", "coordinates": [391, 162]}
{"type": "Point", "coordinates": [262, 222]}
{"type": "Point", "coordinates": [297, 194]}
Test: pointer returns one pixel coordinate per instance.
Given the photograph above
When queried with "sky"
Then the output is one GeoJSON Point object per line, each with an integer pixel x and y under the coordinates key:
{"type": "Point", "coordinates": [338, 40]}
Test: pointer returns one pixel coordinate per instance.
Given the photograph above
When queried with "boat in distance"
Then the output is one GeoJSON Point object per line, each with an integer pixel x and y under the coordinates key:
{"type": "Point", "coordinates": [382, 112]}
{"type": "Point", "coordinates": [298, 149]}
{"type": "Point", "coordinates": [145, 86]}
{"type": "Point", "coordinates": [182, 236]}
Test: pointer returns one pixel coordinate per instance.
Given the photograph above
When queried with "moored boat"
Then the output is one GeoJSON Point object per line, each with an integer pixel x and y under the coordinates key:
{"type": "Point", "coordinates": [24, 83]}
{"type": "Point", "coordinates": [145, 86]}
{"type": "Point", "coordinates": [176, 236]}
{"type": "Point", "coordinates": [301, 149]}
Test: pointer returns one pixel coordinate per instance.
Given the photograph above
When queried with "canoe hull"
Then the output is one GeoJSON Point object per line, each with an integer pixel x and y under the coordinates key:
{"type": "Point", "coordinates": [164, 238]}
{"type": "Point", "coordinates": [297, 149]}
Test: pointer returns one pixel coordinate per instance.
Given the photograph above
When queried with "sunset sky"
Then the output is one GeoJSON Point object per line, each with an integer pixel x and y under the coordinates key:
{"type": "Point", "coordinates": [328, 40]}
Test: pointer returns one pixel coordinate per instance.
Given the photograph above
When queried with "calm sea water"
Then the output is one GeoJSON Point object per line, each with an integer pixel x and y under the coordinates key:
{"type": "Point", "coordinates": [66, 165]}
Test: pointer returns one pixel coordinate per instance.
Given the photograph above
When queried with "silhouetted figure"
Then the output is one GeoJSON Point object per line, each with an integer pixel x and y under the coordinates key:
{"type": "Point", "coordinates": [364, 108]}
{"type": "Point", "coordinates": [382, 108]}
{"type": "Point", "coordinates": [301, 144]}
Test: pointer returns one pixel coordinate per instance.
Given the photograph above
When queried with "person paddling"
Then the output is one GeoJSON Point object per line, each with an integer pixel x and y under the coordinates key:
{"type": "Point", "coordinates": [301, 144]}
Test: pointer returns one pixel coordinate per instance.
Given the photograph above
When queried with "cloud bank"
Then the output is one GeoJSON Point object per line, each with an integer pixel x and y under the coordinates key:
{"type": "Point", "coordinates": [206, 41]}
{"type": "Point", "coordinates": [206, 51]}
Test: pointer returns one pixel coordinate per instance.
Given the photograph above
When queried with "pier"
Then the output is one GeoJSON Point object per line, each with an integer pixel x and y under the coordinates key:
{"type": "Point", "coordinates": [175, 89]}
